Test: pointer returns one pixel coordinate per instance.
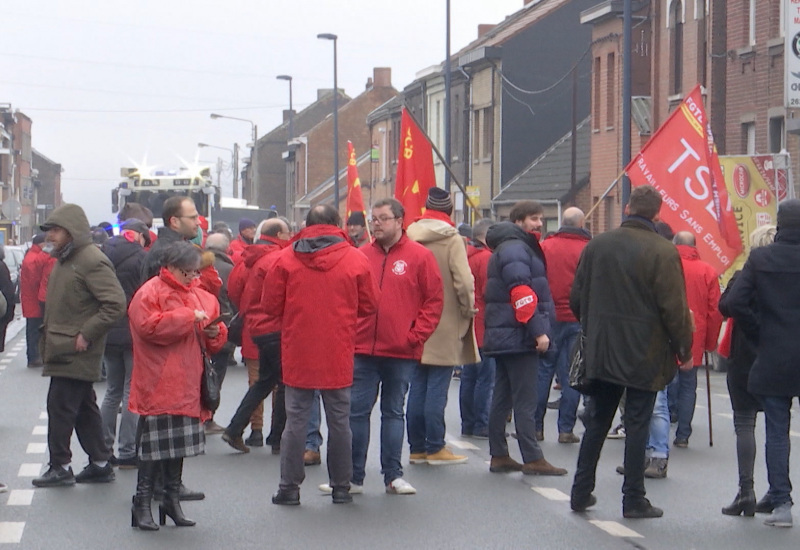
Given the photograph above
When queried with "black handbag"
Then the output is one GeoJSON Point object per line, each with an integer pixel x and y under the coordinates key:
{"type": "Point", "coordinates": [209, 382]}
{"type": "Point", "coordinates": [578, 378]}
{"type": "Point", "coordinates": [235, 328]}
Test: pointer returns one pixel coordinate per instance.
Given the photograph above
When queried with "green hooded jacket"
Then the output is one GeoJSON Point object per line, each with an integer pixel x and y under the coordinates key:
{"type": "Point", "coordinates": [83, 296]}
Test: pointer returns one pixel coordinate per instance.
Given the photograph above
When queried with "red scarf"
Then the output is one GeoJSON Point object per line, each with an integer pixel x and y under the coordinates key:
{"type": "Point", "coordinates": [436, 215]}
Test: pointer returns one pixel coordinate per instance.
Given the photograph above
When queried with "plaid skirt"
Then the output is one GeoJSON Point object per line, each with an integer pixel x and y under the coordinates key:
{"type": "Point", "coordinates": [169, 436]}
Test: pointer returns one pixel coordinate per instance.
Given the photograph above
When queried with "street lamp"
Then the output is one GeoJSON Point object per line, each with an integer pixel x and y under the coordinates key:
{"type": "Point", "coordinates": [329, 36]}
{"type": "Point", "coordinates": [234, 163]}
{"type": "Point", "coordinates": [289, 182]}
{"type": "Point", "coordinates": [254, 155]}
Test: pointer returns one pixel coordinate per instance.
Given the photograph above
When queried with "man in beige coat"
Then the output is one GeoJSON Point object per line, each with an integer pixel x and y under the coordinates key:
{"type": "Point", "coordinates": [453, 342]}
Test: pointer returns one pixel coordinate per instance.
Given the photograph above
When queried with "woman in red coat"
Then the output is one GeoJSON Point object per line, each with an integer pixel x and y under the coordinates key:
{"type": "Point", "coordinates": [169, 318]}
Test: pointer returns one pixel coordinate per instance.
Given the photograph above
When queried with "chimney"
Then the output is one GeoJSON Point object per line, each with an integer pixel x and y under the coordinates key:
{"type": "Point", "coordinates": [287, 114]}
{"type": "Point", "coordinates": [484, 28]}
{"type": "Point", "coordinates": [382, 77]}
{"type": "Point", "coordinates": [369, 83]}
{"type": "Point", "coordinates": [323, 92]}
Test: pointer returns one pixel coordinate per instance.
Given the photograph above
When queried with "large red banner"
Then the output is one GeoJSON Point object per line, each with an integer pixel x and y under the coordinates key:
{"type": "Point", "coordinates": [415, 173]}
{"type": "Point", "coordinates": [680, 160]}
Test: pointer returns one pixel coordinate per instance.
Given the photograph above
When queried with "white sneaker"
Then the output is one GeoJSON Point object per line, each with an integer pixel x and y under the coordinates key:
{"type": "Point", "coordinates": [355, 489]}
{"type": "Point", "coordinates": [400, 487]}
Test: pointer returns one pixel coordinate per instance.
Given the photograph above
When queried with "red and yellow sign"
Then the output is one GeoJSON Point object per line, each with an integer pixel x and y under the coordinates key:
{"type": "Point", "coordinates": [355, 199]}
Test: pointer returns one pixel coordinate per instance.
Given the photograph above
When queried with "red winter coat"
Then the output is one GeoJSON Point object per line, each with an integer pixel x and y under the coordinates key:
{"type": "Point", "coordinates": [410, 304]}
{"type": "Point", "coordinates": [237, 248]}
{"type": "Point", "coordinates": [237, 283]}
{"type": "Point", "coordinates": [478, 257]}
{"type": "Point", "coordinates": [562, 252]}
{"type": "Point", "coordinates": [702, 294]}
{"type": "Point", "coordinates": [30, 277]}
{"type": "Point", "coordinates": [256, 321]}
{"type": "Point", "coordinates": [320, 286]}
{"type": "Point", "coordinates": [167, 364]}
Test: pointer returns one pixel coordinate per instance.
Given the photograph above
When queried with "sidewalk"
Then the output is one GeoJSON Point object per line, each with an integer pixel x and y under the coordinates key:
{"type": "Point", "coordinates": [15, 327]}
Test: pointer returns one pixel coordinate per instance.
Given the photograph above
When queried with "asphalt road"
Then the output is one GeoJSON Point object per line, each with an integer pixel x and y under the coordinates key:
{"type": "Point", "coordinates": [461, 506]}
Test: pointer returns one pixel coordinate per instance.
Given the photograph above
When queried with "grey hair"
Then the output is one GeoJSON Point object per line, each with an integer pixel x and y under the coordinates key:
{"type": "Point", "coordinates": [573, 217]}
{"type": "Point", "coordinates": [218, 242]}
{"type": "Point", "coordinates": [684, 238]}
{"type": "Point", "coordinates": [182, 255]}
{"type": "Point", "coordinates": [762, 236]}
{"type": "Point", "coordinates": [481, 227]}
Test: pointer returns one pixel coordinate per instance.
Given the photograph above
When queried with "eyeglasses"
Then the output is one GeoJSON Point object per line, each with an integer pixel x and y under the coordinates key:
{"type": "Point", "coordinates": [195, 217]}
{"type": "Point", "coordinates": [382, 219]}
{"type": "Point", "coordinates": [190, 273]}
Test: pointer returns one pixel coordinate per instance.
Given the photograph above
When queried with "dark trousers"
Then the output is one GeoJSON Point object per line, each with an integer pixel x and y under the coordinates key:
{"type": "Point", "coordinates": [278, 416]}
{"type": "Point", "coordinates": [72, 405]}
{"type": "Point", "coordinates": [598, 419]}
{"type": "Point", "coordinates": [32, 336]}
{"type": "Point", "coordinates": [269, 373]}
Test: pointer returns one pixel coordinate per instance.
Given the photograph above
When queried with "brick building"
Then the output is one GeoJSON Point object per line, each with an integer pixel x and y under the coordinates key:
{"type": "Point", "coordinates": [47, 187]}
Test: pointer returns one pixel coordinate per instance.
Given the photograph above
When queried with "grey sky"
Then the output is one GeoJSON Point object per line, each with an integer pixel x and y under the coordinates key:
{"type": "Point", "coordinates": [107, 83]}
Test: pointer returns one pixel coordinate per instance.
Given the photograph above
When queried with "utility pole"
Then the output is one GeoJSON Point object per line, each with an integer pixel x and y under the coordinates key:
{"type": "Point", "coordinates": [626, 102]}
{"type": "Point", "coordinates": [235, 169]}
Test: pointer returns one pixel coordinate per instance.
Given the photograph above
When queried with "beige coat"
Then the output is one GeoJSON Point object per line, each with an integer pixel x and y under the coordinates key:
{"type": "Point", "coordinates": [453, 342]}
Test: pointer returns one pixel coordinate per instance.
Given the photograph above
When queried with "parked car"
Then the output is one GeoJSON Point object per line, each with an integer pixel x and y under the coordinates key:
{"type": "Point", "coordinates": [13, 260]}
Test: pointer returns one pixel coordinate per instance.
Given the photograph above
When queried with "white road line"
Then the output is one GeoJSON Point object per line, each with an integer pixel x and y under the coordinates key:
{"type": "Point", "coordinates": [39, 430]}
{"type": "Point", "coordinates": [794, 433]}
{"type": "Point", "coordinates": [11, 531]}
{"type": "Point", "coordinates": [2, 367]}
{"type": "Point", "coordinates": [30, 469]}
{"type": "Point", "coordinates": [20, 497]}
{"type": "Point", "coordinates": [43, 416]}
{"type": "Point", "coordinates": [36, 448]}
{"type": "Point", "coordinates": [551, 494]}
{"type": "Point", "coordinates": [5, 361]}
{"type": "Point", "coordinates": [615, 529]}
{"type": "Point", "coordinates": [729, 416]}
{"type": "Point", "coordinates": [12, 354]}
{"type": "Point", "coordinates": [723, 395]}
{"type": "Point", "coordinates": [462, 444]}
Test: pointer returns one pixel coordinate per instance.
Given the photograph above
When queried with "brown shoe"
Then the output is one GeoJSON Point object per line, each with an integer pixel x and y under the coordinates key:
{"type": "Point", "coordinates": [568, 437]}
{"type": "Point", "coordinates": [235, 441]}
{"type": "Point", "coordinates": [444, 457]}
{"type": "Point", "coordinates": [504, 464]}
{"type": "Point", "coordinates": [542, 468]}
{"type": "Point", "coordinates": [311, 458]}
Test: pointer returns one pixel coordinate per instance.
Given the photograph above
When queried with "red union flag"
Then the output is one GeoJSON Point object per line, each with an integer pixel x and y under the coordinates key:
{"type": "Point", "coordinates": [681, 162]}
{"type": "Point", "coordinates": [414, 169]}
{"type": "Point", "coordinates": [355, 200]}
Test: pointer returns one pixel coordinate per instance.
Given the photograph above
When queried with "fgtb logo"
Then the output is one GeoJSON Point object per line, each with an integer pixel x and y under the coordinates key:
{"type": "Point", "coordinates": [399, 267]}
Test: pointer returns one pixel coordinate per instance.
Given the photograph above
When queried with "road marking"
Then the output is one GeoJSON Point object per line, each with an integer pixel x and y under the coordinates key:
{"type": "Point", "coordinates": [36, 448]}
{"type": "Point", "coordinates": [615, 529]}
{"type": "Point", "coordinates": [2, 367]}
{"type": "Point", "coordinates": [551, 494]}
{"type": "Point", "coordinates": [794, 433]}
{"type": "Point", "coordinates": [43, 416]}
{"type": "Point", "coordinates": [39, 430]}
{"type": "Point", "coordinates": [722, 395]}
{"type": "Point", "coordinates": [12, 354]}
{"type": "Point", "coordinates": [5, 361]}
{"type": "Point", "coordinates": [729, 416]}
{"type": "Point", "coordinates": [11, 531]}
{"type": "Point", "coordinates": [20, 497]}
{"type": "Point", "coordinates": [462, 444]}
{"type": "Point", "coordinates": [30, 469]}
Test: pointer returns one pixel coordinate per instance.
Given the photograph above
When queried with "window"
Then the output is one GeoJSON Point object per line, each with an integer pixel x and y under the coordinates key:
{"type": "Point", "coordinates": [776, 135]}
{"type": "Point", "coordinates": [676, 39]}
{"type": "Point", "coordinates": [749, 138]}
{"type": "Point", "coordinates": [488, 133]}
{"type": "Point", "coordinates": [476, 134]}
{"type": "Point", "coordinates": [610, 97]}
{"type": "Point", "coordinates": [596, 113]}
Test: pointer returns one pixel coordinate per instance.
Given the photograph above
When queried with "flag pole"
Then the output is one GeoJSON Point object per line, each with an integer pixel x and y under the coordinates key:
{"type": "Point", "coordinates": [708, 394]}
{"type": "Point", "coordinates": [605, 193]}
{"type": "Point", "coordinates": [453, 176]}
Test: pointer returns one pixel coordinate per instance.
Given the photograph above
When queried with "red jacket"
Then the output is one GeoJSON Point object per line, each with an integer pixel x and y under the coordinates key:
{"type": "Point", "coordinates": [702, 295]}
{"type": "Point", "coordinates": [237, 248]}
{"type": "Point", "coordinates": [562, 252]}
{"type": "Point", "coordinates": [237, 283]}
{"type": "Point", "coordinates": [256, 321]}
{"type": "Point", "coordinates": [30, 277]}
{"type": "Point", "coordinates": [47, 268]}
{"type": "Point", "coordinates": [320, 286]}
{"type": "Point", "coordinates": [410, 304]}
{"type": "Point", "coordinates": [167, 364]}
{"type": "Point", "coordinates": [478, 257]}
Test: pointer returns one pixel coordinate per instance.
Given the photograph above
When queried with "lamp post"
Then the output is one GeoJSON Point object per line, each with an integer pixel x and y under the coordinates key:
{"type": "Point", "coordinates": [253, 156]}
{"type": "Point", "coordinates": [234, 163]}
{"type": "Point", "coordinates": [328, 36]}
{"type": "Point", "coordinates": [289, 182]}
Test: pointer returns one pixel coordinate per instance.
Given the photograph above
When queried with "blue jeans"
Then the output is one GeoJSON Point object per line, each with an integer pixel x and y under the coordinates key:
{"type": "Point", "coordinates": [564, 335]}
{"type": "Point", "coordinates": [778, 417]}
{"type": "Point", "coordinates": [313, 435]}
{"type": "Point", "coordinates": [658, 443]}
{"type": "Point", "coordinates": [119, 364]}
{"type": "Point", "coordinates": [475, 396]}
{"type": "Point", "coordinates": [32, 325]}
{"type": "Point", "coordinates": [427, 400]}
{"type": "Point", "coordinates": [683, 390]}
{"type": "Point", "coordinates": [392, 376]}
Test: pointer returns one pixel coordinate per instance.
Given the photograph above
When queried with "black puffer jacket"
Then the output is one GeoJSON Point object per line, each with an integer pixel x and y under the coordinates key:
{"type": "Point", "coordinates": [127, 258]}
{"type": "Point", "coordinates": [517, 260]}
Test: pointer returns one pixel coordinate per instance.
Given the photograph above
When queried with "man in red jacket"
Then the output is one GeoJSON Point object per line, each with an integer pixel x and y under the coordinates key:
{"type": "Point", "coordinates": [319, 288]}
{"type": "Point", "coordinates": [562, 252]}
{"type": "Point", "coordinates": [477, 379]}
{"type": "Point", "coordinates": [702, 293]}
{"type": "Point", "coordinates": [30, 278]}
{"type": "Point", "coordinates": [389, 342]}
{"type": "Point", "coordinates": [247, 233]}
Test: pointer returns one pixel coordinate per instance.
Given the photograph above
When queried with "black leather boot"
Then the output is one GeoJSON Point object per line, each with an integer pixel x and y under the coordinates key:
{"type": "Point", "coordinates": [173, 472]}
{"type": "Point", "coordinates": [744, 503]}
{"type": "Point", "coordinates": [141, 514]}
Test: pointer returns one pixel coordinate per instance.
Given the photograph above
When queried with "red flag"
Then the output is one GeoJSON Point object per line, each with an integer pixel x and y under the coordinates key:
{"type": "Point", "coordinates": [414, 169]}
{"type": "Point", "coordinates": [680, 160]}
{"type": "Point", "coordinates": [355, 200]}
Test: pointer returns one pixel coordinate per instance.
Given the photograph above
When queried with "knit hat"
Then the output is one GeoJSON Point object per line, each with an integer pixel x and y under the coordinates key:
{"type": "Point", "coordinates": [357, 218]}
{"type": "Point", "coordinates": [789, 214]}
{"type": "Point", "coordinates": [135, 224]}
{"type": "Point", "coordinates": [246, 223]}
{"type": "Point", "coordinates": [38, 238]}
{"type": "Point", "coordinates": [439, 199]}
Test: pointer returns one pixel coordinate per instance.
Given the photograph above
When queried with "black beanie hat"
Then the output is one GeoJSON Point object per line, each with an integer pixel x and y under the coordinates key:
{"type": "Point", "coordinates": [789, 214]}
{"type": "Point", "coordinates": [357, 218]}
{"type": "Point", "coordinates": [439, 199]}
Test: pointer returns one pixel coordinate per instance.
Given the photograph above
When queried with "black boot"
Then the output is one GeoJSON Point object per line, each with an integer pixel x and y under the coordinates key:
{"type": "Point", "coordinates": [173, 472]}
{"type": "Point", "coordinates": [765, 506]}
{"type": "Point", "coordinates": [744, 503]}
{"type": "Point", "coordinates": [141, 515]}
